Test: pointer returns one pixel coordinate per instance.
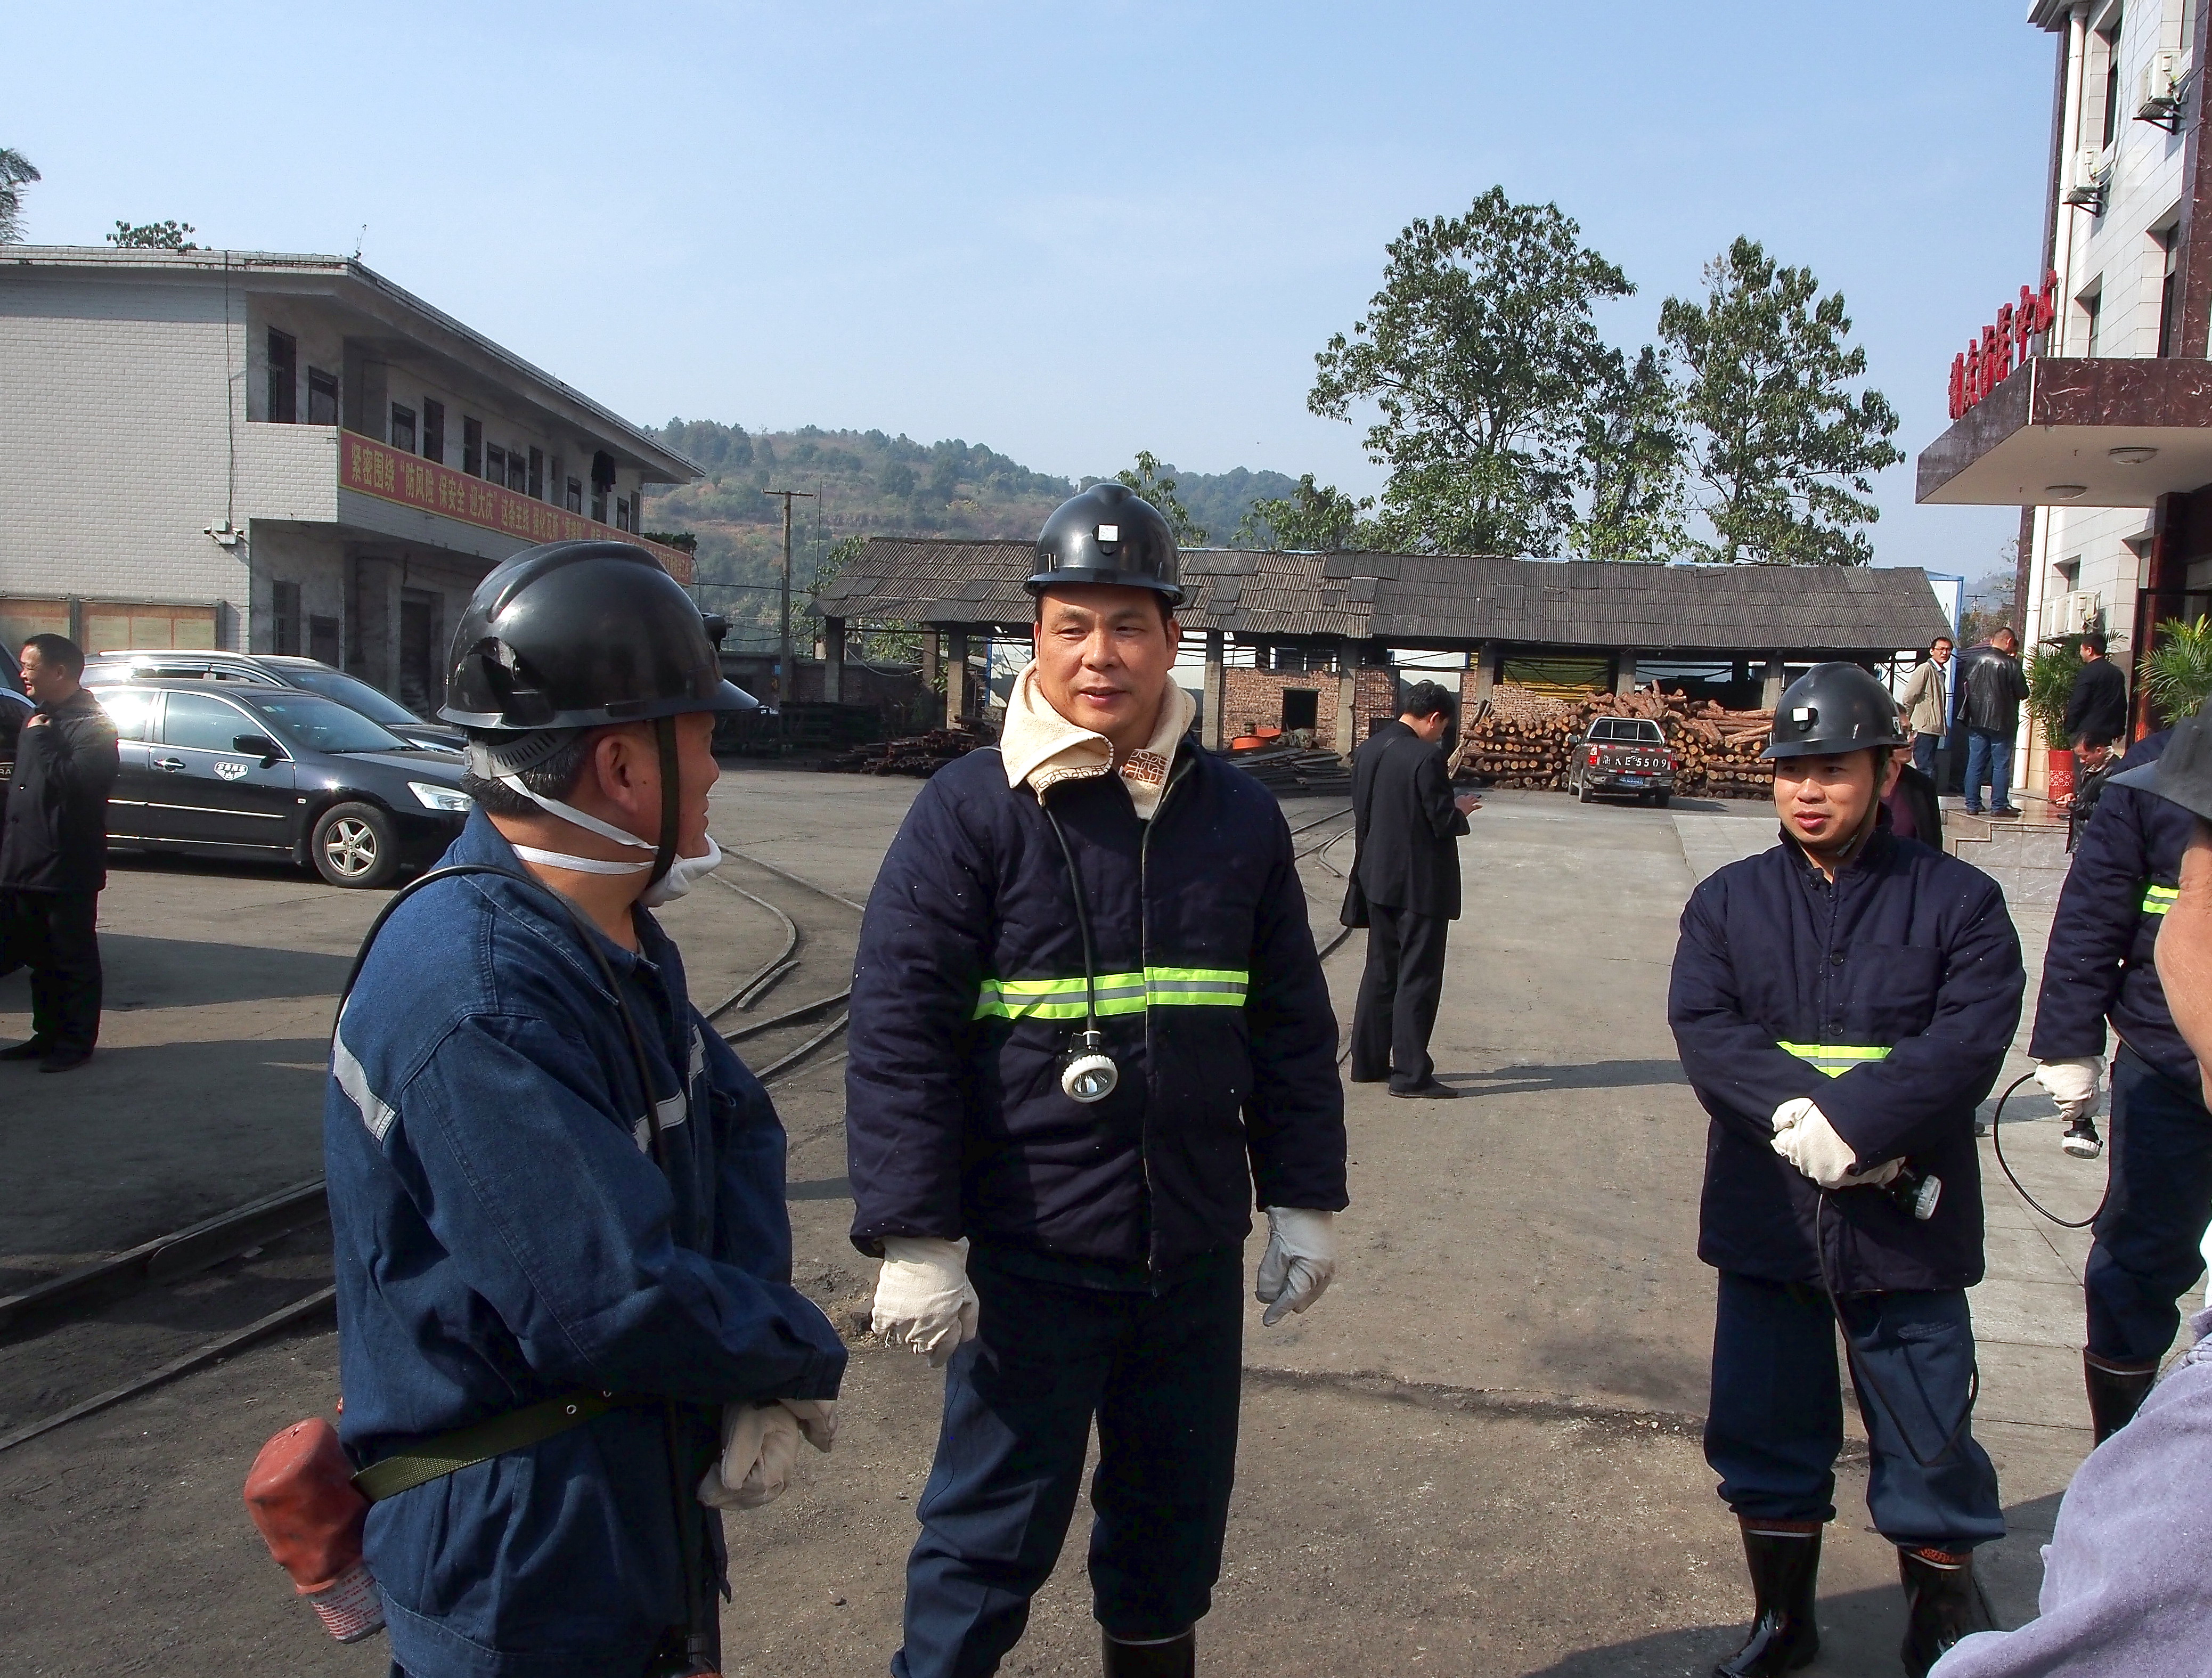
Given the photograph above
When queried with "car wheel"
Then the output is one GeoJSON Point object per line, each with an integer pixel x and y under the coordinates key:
{"type": "Point", "coordinates": [353, 846]}
{"type": "Point", "coordinates": [1660, 799]}
{"type": "Point", "coordinates": [1583, 791]}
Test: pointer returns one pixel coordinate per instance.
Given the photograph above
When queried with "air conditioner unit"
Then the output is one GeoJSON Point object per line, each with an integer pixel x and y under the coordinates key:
{"type": "Point", "coordinates": [2075, 614]}
{"type": "Point", "coordinates": [2090, 168]}
{"type": "Point", "coordinates": [2158, 96]}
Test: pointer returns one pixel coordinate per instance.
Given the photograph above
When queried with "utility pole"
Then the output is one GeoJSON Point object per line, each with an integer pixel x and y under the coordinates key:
{"type": "Point", "coordinates": [784, 684]}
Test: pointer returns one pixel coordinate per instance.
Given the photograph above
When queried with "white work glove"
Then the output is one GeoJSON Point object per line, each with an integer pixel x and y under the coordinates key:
{"type": "Point", "coordinates": [760, 1447]}
{"type": "Point", "coordinates": [2072, 1085]}
{"type": "Point", "coordinates": [923, 1299]}
{"type": "Point", "coordinates": [1803, 1136]}
{"type": "Point", "coordinates": [1299, 1263]}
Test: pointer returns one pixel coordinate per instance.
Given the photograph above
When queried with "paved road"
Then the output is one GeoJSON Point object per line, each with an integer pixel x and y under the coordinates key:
{"type": "Point", "coordinates": [1478, 1454]}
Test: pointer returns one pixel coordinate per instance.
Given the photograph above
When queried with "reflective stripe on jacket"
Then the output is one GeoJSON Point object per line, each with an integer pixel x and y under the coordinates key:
{"type": "Point", "coordinates": [2101, 964]}
{"type": "Point", "coordinates": [968, 986]}
{"type": "Point", "coordinates": [502, 1235]}
{"type": "Point", "coordinates": [1889, 1000]}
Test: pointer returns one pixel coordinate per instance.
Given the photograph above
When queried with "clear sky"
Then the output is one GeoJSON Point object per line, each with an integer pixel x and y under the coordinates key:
{"type": "Point", "coordinates": [1069, 231]}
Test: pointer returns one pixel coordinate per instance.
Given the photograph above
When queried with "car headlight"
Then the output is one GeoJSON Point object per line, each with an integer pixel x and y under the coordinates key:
{"type": "Point", "coordinates": [447, 800]}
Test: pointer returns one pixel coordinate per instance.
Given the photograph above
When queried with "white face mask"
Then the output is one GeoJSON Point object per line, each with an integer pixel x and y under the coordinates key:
{"type": "Point", "coordinates": [683, 874]}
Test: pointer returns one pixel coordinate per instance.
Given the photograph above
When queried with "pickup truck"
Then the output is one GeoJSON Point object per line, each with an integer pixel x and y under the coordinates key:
{"type": "Point", "coordinates": [1622, 755]}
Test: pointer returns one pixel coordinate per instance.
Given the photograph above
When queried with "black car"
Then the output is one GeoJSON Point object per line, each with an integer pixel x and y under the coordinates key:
{"type": "Point", "coordinates": [230, 770]}
{"type": "Point", "coordinates": [273, 670]}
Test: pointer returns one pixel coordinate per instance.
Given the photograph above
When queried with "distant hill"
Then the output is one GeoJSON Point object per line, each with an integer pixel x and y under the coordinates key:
{"type": "Point", "coordinates": [867, 483]}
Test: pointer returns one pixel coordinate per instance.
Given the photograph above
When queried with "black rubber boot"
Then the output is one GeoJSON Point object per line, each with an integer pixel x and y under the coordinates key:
{"type": "Point", "coordinates": [1942, 1604]}
{"type": "Point", "coordinates": [2116, 1393]}
{"type": "Point", "coordinates": [1785, 1560]}
{"type": "Point", "coordinates": [1176, 1658]}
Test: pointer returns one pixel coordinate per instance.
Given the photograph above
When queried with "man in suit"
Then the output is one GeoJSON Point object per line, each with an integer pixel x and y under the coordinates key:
{"type": "Point", "coordinates": [1405, 890]}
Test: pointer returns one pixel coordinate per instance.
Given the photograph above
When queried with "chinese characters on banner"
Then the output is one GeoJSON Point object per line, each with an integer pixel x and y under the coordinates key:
{"type": "Point", "coordinates": [371, 468]}
{"type": "Point", "coordinates": [2004, 344]}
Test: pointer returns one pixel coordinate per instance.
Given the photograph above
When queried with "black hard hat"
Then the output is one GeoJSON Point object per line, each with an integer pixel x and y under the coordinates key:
{"type": "Point", "coordinates": [573, 635]}
{"type": "Point", "coordinates": [2182, 774]}
{"type": "Point", "coordinates": [1111, 535]}
{"type": "Point", "coordinates": [1832, 708]}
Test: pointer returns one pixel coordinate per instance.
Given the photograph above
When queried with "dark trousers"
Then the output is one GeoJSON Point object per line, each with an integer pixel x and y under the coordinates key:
{"type": "Point", "coordinates": [1777, 1418]}
{"type": "Point", "coordinates": [1161, 1375]}
{"type": "Point", "coordinates": [1925, 747]}
{"type": "Point", "coordinates": [1399, 991]}
{"type": "Point", "coordinates": [2148, 1234]}
{"type": "Point", "coordinates": [51, 933]}
{"type": "Point", "coordinates": [1989, 758]}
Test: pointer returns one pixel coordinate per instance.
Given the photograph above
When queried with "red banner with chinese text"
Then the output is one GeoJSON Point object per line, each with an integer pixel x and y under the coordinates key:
{"type": "Point", "coordinates": [371, 468]}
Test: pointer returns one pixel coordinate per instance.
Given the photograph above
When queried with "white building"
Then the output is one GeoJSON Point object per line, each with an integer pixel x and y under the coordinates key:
{"type": "Point", "coordinates": [2094, 413]}
{"type": "Point", "coordinates": [279, 454]}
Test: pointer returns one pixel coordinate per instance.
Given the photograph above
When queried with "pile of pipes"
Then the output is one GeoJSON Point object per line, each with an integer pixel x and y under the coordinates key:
{"type": "Point", "coordinates": [1287, 770]}
{"type": "Point", "coordinates": [1522, 737]}
{"type": "Point", "coordinates": [918, 755]}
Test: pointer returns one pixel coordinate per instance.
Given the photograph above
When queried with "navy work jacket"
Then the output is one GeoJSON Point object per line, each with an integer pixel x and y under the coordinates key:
{"type": "Point", "coordinates": [1889, 1000]}
{"type": "Point", "coordinates": [2100, 965]}
{"type": "Point", "coordinates": [969, 985]}
{"type": "Point", "coordinates": [53, 836]}
{"type": "Point", "coordinates": [503, 1236]}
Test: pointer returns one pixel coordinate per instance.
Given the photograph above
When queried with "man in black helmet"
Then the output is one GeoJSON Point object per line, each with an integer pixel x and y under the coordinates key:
{"type": "Point", "coordinates": [556, 1197]}
{"type": "Point", "coordinates": [1087, 1022]}
{"type": "Point", "coordinates": [1841, 1003]}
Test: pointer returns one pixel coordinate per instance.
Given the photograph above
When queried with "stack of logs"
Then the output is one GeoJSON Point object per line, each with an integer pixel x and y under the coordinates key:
{"type": "Point", "coordinates": [920, 755]}
{"type": "Point", "coordinates": [1521, 739]}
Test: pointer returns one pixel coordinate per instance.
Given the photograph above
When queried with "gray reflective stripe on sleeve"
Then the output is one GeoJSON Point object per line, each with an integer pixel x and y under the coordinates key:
{"type": "Point", "coordinates": [352, 1079]}
{"type": "Point", "coordinates": [673, 1111]}
{"type": "Point", "coordinates": [698, 1052]}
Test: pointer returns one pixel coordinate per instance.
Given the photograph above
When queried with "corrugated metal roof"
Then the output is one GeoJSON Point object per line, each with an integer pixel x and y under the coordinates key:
{"type": "Point", "coordinates": [1438, 597]}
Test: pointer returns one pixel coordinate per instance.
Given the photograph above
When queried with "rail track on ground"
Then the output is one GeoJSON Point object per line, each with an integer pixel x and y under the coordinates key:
{"type": "Point", "coordinates": [81, 1341]}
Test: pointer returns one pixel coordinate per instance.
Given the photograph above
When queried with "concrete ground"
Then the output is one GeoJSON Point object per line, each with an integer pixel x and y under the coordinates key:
{"type": "Point", "coordinates": [1478, 1455]}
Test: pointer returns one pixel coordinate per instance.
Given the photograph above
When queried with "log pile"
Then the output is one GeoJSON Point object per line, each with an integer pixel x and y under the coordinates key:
{"type": "Point", "coordinates": [918, 755]}
{"type": "Point", "coordinates": [1521, 739]}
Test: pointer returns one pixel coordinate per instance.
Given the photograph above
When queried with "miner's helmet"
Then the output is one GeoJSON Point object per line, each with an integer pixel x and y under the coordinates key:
{"type": "Point", "coordinates": [2182, 773]}
{"type": "Point", "coordinates": [1833, 709]}
{"type": "Point", "coordinates": [1112, 536]}
{"type": "Point", "coordinates": [577, 635]}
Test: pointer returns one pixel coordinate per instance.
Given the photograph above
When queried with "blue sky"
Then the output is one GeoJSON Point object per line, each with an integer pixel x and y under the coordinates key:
{"type": "Point", "coordinates": [1070, 231]}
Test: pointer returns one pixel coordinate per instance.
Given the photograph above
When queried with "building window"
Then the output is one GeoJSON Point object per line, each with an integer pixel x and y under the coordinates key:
{"type": "Point", "coordinates": [494, 465]}
{"type": "Point", "coordinates": [472, 446]}
{"type": "Point", "coordinates": [573, 498]}
{"type": "Point", "coordinates": [322, 397]}
{"type": "Point", "coordinates": [283, 378]}
{"type": "Point", "coordinates": [434, 431]}
{"type": "Point", "coordinates": [2110, 35]}
{"type": "Point", "coordinates": [598, 506]}
{"type": "Point", "coordinates": [2093, 314]}
{"type": "Point", "coordinates": [518, 470]}
{"type": "Point", "coordinates": [2169, 288]}
{"type": "Point", "coordinates": [403, 428]}
{"type": "Point", "coordinates": [322, 640]}
{"type": "Point", "coordinates": [537, 490]}
{"type": "Point", "coordinates": [284, 618]}
{"type": "Point", "coordinates": [622, 513]}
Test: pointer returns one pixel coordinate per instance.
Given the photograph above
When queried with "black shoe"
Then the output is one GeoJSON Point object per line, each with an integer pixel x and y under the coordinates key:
{"type": "Point", "coordinates": [64, 1060]}
{"type": "Point", "coordinates": [36, 1050]}
{"type": "Point", "coordinates": [2116, 1393]}
{"type": "Point", "coordinates": [1431, 1091]}
{"type": "Point", "coordinates": [1942, 1604]}
{"type": "Point", "coordinates": [1176, 1658]}
{"type": "Point", "coordinates": [1785, 1569]}
{"type": "Point", "coordinates": [2082, 1140]}
{"type": "Point", "coordinates": [2004, 812]}
{"type": "Point", "coordinates": [1369, 1078]}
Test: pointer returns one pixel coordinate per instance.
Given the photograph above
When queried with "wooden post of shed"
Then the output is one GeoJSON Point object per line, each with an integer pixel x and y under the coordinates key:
{"type": "Point", "coordinates": [956, 675]}
{"type": "Point", "coordinates": [1211, 732]}
{"type": "Point", "coordinates": [833, 660]}
{"type": "Point", "coordinates": [1771, 695]}
{"type": "Point", "coordinates": [1487, 657]}
{"type": "Point", "coordinates": [1347, 698]}
{"type": "Point", "coordinates": [1623, 671]}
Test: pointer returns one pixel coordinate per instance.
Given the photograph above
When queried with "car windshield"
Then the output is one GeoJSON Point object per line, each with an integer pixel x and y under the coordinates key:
{"type": "Point", "coordinates": [353, 693]}
{"type": "Point", "coordinates": [315, 724]}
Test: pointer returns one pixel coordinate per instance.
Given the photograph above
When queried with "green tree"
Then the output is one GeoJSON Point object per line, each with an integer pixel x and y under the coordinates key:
{"type": "Point", "coordinates": [1631, 451]}
{"type": "Point", "coordinates": [1785, 453]}
{"type": "Point", "coordinates": [1479, 353]}
{"type": "Point", "coordinates": [16, 171]}
{"type": "Point", "coordinates": [1319, 517]}
{"type": "Point", "coordinates": [154, 236]}
{"type": "Point", "coordinates": [1150, 479]}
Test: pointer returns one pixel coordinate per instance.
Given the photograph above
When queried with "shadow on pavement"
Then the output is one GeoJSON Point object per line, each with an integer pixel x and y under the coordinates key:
{"type": "Point", "coordinates": [1591, 1075]}
{"type": "Point", "coordinates": [144, 972]}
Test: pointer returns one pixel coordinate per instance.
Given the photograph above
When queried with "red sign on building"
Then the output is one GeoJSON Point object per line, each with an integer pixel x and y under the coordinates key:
{"type": "Point", "coordinates": [2005, 343]}
{"type": "Point", "coordinates": [371, 468]}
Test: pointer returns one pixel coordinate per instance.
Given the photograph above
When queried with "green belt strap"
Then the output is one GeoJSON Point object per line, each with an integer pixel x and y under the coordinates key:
{"type": "Point", "coordinates": [465, 1447]}
{"type": "Point", "coordinates": [2157, 899]}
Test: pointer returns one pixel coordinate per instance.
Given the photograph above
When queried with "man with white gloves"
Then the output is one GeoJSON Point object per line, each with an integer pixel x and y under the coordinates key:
{"type": "Point", "coordinates": [2101, 968]}
{"type": "Point", "coordinates": [1088, 1030]}
{"type": "Point", "coordinates": [1842, 1002]}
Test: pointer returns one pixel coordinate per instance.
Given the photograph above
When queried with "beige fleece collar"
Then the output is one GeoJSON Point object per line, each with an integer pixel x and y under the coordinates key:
{"type": "Point", "coordinates": [1040, 746]}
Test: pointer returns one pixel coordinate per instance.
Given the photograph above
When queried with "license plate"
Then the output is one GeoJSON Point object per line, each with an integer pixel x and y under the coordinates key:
{"type": "Point", "coordinates": [1631, 781]}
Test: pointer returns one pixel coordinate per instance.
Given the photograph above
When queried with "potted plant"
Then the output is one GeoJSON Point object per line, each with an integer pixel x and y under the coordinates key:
{"type": "Point", "coordinates": [2051, 669]}
{"type": "Point", "coordinates": [2177, 676]}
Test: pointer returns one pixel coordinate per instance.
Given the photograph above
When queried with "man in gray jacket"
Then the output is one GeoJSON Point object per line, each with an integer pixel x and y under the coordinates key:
{"type": "Point", "coordinates": [1926, 705]}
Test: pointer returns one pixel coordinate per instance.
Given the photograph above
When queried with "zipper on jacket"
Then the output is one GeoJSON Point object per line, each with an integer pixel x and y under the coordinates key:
{"type": "Point", "coordinates": [1144, 960]}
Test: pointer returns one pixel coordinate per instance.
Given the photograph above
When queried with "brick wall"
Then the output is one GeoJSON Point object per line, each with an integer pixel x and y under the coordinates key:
{"type": "Point", "coordinates": [1254, 699]}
